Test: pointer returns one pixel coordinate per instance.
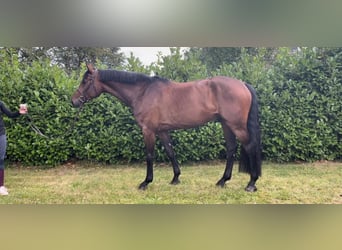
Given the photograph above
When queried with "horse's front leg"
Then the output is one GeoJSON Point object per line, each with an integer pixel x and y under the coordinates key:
{"type": "Point", "coordinates": [149, 139]}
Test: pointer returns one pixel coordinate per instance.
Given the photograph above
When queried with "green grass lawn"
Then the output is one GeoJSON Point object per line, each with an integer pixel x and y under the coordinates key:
{"type": "Point", "coordinates": [86, 183]}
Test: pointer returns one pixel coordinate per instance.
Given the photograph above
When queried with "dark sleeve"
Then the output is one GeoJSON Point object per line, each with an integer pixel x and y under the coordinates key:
{"type": "Point", "coordinates": [8, 112]}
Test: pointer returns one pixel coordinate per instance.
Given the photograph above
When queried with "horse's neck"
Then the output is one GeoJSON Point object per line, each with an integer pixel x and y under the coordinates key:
{"type": "Point", "coordinates": [127, 93]}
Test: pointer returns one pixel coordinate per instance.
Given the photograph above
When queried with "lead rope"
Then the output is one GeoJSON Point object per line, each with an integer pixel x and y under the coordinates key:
{"type": "Point", "coordinates": [39, 132]}
{"type": "Point", "coordinates": [34, 127]}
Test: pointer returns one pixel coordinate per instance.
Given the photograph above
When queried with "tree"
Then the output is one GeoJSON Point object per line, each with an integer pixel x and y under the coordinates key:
{"type": "Point", "coordinates": [215, 57]}
{"type": "Point", "coordinates": [71, 58]}
{"type": "Point", "coordinates": [179, 67]}
{"type": "Point", "coordinates": [29, 55]}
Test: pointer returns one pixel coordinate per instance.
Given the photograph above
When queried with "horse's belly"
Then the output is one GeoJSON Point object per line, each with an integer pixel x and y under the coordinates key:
{"type": "Point", "coordinates": [184, 120]}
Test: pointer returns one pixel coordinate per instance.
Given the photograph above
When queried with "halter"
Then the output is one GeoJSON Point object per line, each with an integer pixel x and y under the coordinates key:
{"type": "Point", "coordinates": [83, 98]}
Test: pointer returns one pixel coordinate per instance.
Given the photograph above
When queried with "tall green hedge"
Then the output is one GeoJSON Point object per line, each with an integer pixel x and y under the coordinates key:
{"type": "Point", "coordinates": [46, 89]}
{"type": "Point", "coordinates": [299, 96]}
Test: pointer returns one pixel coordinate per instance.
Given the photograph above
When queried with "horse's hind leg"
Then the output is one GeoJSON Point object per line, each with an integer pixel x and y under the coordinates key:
{"type": "Point", "coordinates": [231, 150]}
{"type": "Point", "coordinates": [248, 157]}
{"type": "Point", "coordinates": [166, 141]}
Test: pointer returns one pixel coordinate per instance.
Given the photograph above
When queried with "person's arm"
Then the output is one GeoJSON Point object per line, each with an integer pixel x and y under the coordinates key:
{"type": "Point", "coordinates": [8, 112]}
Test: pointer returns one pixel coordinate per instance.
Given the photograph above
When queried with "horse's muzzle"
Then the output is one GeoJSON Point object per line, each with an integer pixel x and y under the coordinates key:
{"type": "Point", "coordinates": [76, 103]}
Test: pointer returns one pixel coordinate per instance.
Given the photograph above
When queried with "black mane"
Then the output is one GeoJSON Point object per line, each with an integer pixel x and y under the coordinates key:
{"type": "Point", "coordinates": [127, 77]}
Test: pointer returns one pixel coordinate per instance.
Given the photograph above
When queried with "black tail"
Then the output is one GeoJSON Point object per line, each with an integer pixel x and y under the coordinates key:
{"type": "Point", "coordinates": [250, 158]}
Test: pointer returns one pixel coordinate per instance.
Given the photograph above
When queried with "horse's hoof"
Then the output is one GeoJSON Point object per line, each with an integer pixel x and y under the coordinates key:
{"type": "Point", "coordinates": [143, 186]}
{"type": "Point", "coordinates": [221, 183]}
{"type": "Point", "coordinates": [251, 189]}
{"type": "Point", "coordinates": [175, 182]}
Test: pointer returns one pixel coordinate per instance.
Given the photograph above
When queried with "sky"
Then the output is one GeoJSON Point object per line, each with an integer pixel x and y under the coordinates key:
{"type": "Point", "coordinates": [146, 55]}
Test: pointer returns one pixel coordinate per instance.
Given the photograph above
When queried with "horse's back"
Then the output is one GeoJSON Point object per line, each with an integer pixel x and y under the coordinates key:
{"type": "Point", "coordinates": [217, 95]}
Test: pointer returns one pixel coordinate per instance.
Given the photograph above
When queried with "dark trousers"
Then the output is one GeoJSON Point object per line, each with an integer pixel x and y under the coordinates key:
{"type": "Point", "coordinates": [3, 146]}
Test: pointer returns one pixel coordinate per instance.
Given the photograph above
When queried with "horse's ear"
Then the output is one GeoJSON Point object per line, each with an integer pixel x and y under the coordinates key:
{"type": "Point", "coordinates": [91, 68]}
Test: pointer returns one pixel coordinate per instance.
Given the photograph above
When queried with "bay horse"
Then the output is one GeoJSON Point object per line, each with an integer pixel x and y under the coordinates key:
{"type": "Point", "coordinates": [160, 105]}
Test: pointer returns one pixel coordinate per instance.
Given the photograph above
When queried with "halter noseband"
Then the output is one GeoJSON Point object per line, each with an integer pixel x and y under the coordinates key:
{"type": "Point", "coordinates": [82, 98]}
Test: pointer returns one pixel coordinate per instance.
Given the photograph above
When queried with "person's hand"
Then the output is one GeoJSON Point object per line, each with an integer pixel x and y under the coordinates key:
{"type": "Point", "coordinates": [23, 109]}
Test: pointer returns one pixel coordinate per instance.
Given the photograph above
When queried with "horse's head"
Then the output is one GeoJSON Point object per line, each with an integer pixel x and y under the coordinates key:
{"type": "Point", "coordinates": [88, 89]}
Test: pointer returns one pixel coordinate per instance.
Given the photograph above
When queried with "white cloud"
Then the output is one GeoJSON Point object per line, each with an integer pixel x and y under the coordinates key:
{"type": "Point", "coordinates": [146, 54]}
